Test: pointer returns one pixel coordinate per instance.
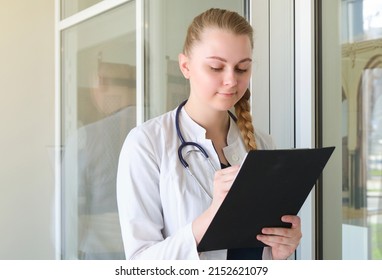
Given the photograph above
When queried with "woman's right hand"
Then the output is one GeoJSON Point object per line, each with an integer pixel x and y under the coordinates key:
{"type": "Point", "coordinates": [223, 180]}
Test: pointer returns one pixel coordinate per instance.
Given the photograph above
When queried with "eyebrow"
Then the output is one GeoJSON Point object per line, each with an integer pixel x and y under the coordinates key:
{"type": "Point", "coordinates": [224, 60]}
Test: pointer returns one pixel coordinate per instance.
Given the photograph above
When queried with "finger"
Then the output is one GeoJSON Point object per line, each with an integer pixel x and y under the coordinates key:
{"type": "Point", "coordinates": [294, 235]}
{"type": "Point", "coordinates": [271, 244]}
{"type": "Point", "coordinates": [226, 175]}
{"type": "Point", "coordinates": [272, 240]}
{"type": "Point", "coordinates": [287, 232]}
{"type": "Point", "coordinates": [223, 179]}
{"type": "Point", "coordinates": [230, 170]}
{"type": "Point", "coordinates": [279, 250]}
{"type": "Point", "coordinates": [279, 240]}
{"type": "Point", "coordinates": [294, 220]}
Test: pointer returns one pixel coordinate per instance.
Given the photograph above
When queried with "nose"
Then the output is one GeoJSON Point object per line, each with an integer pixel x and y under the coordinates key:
{"type": "Point", "coordinates": [230, 78]}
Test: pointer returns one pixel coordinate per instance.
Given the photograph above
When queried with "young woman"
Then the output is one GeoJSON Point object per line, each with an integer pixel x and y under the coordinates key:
{"type": "Point", "coordinates": [164, 207]}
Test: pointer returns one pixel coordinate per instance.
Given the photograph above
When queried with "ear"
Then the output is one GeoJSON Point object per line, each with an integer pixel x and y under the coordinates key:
{"type": "Point", "coordinates": [183, 65]}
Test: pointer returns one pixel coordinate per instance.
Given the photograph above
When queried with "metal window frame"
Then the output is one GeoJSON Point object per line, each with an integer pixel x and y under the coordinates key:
{"type": "Point", "coordinates": [305, 113]}
{"type": "Point", "coordinates": [283, 90]}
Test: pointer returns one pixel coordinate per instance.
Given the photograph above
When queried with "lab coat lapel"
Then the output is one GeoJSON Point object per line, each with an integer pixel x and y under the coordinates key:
{"type": "Point", "coordinates": [235, 152]}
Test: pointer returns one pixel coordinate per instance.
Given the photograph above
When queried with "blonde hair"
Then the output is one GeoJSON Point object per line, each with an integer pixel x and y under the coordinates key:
{"type": "Point", "coordinates": [238, 25]}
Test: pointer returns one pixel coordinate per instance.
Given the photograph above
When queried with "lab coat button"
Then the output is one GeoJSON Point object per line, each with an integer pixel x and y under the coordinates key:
{"type": "Point", "coordinates": [235, 158]}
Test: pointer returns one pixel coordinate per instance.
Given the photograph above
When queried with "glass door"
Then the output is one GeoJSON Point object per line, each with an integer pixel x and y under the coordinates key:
{"type": "Point", "coordinates": [355, 87]}
{"type": "Point", "coordinates": [362, 129]}
{"type": "Point", "coordinates": [118, 66]}
{"type": "Point", "coordinates": [98, 66]}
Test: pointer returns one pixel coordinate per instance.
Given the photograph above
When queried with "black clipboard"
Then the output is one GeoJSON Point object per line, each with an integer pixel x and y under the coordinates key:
{"type": "Point", "coordinates": [269, 184]}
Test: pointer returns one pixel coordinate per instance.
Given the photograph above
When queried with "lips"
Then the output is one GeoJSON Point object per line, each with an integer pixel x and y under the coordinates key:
{"type": "Point", "coordinates": [227, 93]}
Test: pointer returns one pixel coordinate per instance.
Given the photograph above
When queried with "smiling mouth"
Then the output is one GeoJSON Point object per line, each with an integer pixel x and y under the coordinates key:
{"type": "Point", "coordinates": [227, 93]}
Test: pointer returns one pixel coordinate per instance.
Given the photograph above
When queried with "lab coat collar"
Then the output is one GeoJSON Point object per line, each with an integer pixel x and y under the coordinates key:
{"type": "Point", "coordinates": [191, 130]}
{"type": "Point", "coordinates": [197, 132]}
{"type": "Point", "coordinates": [235, 150]}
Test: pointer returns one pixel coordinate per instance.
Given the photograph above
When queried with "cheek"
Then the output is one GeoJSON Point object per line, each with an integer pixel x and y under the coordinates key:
{"type": "Point", "coordinates": [244, 82]}
{"type": "Point", "coordinates": [205, 79]}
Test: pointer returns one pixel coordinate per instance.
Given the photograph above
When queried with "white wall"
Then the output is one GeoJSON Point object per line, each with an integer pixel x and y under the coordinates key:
{"type": "Point", "coordinates": [27, 129]}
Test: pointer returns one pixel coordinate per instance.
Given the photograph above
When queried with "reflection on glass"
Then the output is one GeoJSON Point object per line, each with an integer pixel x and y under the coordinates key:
{"type": "Point", "coordinates": [361, 20]}
{"type": "Point", "coordinates": [372, 90]}
{"type": "Point", "coordinates": [99, 98]}
{"type": "Point", "coordinates": [362, 129]}
{"type": "Point", "coordinates": [372, 18]}
{"type": "Point", "coordinates": [70, 7]}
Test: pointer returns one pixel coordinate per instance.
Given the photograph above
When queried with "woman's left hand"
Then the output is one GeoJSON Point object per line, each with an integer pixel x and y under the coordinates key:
{"type": "Point", "coordinates": [283, 241]}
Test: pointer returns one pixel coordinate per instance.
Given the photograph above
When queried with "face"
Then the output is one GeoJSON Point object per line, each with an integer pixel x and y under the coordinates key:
{"type": "Point", "coordinates": [219, 69]}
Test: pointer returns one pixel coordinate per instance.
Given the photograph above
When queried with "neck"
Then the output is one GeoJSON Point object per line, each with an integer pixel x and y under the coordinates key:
{"type": "Point", "coordinates": [216, 123]}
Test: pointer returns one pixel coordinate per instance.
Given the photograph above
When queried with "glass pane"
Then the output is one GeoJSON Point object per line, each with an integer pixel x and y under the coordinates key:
{"type": "Point", "coordinates": [164, 83]}
{"type": "Point", "coordinates": [70, 7]}
{"type": "Point", "coordinates": [362, 129]}
{"type": "Point", "coordinates": [98, 110]}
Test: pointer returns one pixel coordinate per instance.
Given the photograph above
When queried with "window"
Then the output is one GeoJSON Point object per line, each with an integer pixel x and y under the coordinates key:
{"type": "Point", "coordinates": [109, 84]}
{"type": "Point", "coordinates": [352, 79]}
{"type": "Point", "coordinates": [362, 89]}
{"type": "Point", "coordinates": [70, 7]}
{"type": "Point", "coordinates": [98, 110]}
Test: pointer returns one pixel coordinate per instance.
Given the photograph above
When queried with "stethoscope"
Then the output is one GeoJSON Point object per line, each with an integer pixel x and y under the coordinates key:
{"type": "Point", "coordinates": [185, 143]}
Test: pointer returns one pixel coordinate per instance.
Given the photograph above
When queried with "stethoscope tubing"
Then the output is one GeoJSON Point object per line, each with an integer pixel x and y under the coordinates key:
{"type": "Point", "coordinates": [196, 145]}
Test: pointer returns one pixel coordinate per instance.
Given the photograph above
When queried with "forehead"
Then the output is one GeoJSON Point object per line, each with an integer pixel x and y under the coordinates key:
{"type": "Point", "coordinates": [223, 43]}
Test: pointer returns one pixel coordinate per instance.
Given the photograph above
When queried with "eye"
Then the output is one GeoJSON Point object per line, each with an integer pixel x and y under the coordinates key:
{"type": "Point", "coordinates": [216, 69]}
{"type": "Point", "coordinates": [240, 71]}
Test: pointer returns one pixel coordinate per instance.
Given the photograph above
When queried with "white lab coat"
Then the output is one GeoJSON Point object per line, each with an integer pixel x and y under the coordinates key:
{"type": "Point", "coordinates": [158, 199]}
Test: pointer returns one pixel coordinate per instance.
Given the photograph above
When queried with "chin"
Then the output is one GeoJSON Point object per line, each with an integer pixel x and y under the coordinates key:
{"type": "Point", "coordinates": [226, 104]}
